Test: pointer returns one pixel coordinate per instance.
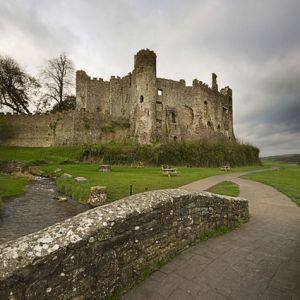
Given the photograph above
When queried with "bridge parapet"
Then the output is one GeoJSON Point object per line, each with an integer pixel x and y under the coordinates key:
{"type": "Point", "coordinates": [104, 250]}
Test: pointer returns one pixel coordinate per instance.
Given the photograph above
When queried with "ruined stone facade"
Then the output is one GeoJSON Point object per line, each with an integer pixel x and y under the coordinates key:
{"type": "Point", "coordinates": [158, 109]}
{"type": "Point", "coordinates": [138, 107]}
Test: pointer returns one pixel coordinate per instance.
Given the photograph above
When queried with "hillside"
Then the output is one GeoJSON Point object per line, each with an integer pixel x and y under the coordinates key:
{"type": "Point", "coordinates": [286, 158]}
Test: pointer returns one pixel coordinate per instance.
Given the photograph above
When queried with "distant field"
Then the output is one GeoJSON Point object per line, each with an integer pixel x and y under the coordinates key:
{"type": "Point", "coordinates": [285, 180]}
{"type": "Point", "coordinates": [287, 158]}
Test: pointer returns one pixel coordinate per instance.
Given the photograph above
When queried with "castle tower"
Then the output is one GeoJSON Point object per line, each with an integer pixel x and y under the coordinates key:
{"type": "Point", "coordinates": [81, 89]}
{"type": "Point", "coordinates": [214, 84]}
{"type": "Point", "coordinates": [144, 94]}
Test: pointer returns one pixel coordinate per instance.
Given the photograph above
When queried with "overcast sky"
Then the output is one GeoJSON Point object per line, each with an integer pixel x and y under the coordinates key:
{"type": "Point", "coordinates": [253, 46]}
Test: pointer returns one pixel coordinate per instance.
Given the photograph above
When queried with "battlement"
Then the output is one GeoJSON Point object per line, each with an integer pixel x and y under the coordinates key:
{"type": "Point", "coordinates": [154, 104]}
{"type": "Point", "coordinates": [145, 57]}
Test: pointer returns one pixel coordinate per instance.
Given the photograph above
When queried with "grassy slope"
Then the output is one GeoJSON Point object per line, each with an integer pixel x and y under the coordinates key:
{"type": "Point", "coordinates": [286, 180]}
{"type": "Point", "coordinates": [12, 185]}
{"type": "Point", "coordinates": [227, 188]}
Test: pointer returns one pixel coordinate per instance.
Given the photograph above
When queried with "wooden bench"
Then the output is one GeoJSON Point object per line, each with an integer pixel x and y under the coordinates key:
{"type": "Point", "coordinates": [105, 168]}
{"type": "Point", "coordinates": [169, 171]}
{"type": "Point", "coordinates": [225, 168]}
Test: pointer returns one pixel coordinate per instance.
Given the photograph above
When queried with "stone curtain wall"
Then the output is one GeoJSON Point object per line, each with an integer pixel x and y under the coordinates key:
{"type": "Point", "coordinates": [107, 249]}
{"type": "Point", "coordinates": [58, 129]}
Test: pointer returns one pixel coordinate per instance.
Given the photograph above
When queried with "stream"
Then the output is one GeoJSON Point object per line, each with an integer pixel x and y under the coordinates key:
{"type": "Point", "coordinates": [36, 209]}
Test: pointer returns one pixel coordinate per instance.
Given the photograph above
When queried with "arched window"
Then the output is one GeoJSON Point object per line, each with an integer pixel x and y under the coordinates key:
{"type": "Point", "coordinates": [175, 139]}
{"type": "Point", "coordinates": [141, 99]}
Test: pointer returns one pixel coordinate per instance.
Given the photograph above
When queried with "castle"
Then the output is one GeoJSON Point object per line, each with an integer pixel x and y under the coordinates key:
{"type": "Point", "coordinates": [139, 107]}
{"type": "Point", "coordinates": [158, 109]}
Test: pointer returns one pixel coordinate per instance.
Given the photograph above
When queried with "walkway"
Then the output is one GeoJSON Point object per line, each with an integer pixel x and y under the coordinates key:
{"type": "Point", "coordinates": [259, 261]}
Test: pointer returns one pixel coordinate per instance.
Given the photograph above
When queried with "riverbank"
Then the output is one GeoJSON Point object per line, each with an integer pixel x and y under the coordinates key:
{"type": "Point", "coordinates": [35, 209]}
{"type": "Point", "coordinates": [11, 185]}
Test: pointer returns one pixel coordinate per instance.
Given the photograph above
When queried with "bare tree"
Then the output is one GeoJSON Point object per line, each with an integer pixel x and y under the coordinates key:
{"type": "Point", "coordinates": [17, 89]}
{"type": "Point", "coordinates": [58, 78]}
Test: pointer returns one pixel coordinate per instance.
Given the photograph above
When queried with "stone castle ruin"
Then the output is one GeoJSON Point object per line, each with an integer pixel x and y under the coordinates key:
{"type": "Point", "coordinates": [139, 107]}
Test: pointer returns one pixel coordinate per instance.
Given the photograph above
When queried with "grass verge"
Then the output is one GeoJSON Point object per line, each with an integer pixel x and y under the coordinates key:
{"type": "Point", "coordinates": [12, 185]}
{"type": "Point", "coordinates": [285, 180]}
{"type": "Point", "coordinates": [227, 188]}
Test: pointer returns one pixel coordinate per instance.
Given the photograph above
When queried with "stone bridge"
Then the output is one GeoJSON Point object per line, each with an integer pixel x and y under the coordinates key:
{"type": "Point", "coordinates": [106, 250]}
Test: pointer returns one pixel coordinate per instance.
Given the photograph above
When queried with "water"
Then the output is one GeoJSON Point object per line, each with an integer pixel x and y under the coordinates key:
{"type": "Point", "coordinates": [34, 210]}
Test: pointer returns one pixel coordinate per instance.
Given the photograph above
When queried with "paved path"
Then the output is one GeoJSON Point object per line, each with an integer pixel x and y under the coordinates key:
{"type": "Point", "coordinates": [259, 261]}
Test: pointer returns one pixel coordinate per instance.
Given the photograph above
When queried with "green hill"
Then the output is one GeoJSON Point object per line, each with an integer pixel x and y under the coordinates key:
{"type": "Point", "coordinates": [286, 158]}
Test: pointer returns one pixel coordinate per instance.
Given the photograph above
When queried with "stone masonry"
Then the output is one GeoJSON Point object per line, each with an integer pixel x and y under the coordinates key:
{"type": "Point", "coordinates": [159, 110]}
{"type": "Point", "coordinates": [109, 248]}
{"type": "Point", "coordinates": [139, 107]}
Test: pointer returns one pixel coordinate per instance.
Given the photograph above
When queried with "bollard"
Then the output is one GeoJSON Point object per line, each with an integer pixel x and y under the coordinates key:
{"type": "Point", "coordinates": [130, 190]}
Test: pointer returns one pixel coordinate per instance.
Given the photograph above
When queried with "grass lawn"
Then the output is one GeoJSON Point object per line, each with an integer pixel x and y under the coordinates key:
{"type": "Point", "coordinates": [121, 177]}
{"type": "Point", "coordinates": [227, 188]}
{"type": "Point", "coordinates": [117, 181]}
{"type": "Point", "coordinates": [285, 180]}
{"type": "Point", "coordinates": [12, 185]}
{"type": "Point", "coordinates": [52, 154]}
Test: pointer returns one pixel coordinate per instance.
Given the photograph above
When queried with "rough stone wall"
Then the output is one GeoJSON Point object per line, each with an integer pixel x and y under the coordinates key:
{"type": "Point", "coordinates": [10, 166]}
{"type": "Point", "coordinates": [143, 111]}
{"type": "Point", "coordinates": [105, 249]}
{"type": "Point", "coordinates": [162, 110]}
{"type": "Point", "coordinates": [157, 110]}
{"type": "Point", "coordinates": [192, 112]}
{"type": "Point", "coordinates": [110, 98]}
{"type": "Point", "coordinates": [68, 128]}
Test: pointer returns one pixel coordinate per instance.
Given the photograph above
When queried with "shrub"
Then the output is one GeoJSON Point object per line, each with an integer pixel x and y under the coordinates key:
{"type": "Point", "coordinates": [196, 153]}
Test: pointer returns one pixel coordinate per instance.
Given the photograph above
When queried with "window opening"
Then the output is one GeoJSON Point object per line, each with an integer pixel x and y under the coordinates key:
{"type": "Point", "coordinates": [173, 117]}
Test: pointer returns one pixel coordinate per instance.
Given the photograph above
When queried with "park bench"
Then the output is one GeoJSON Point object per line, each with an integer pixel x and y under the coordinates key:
{"type": "Point", "coordinates": [225, 168]}
{"type": "Point", "coordinates": [105, 168]}
{"type": "Point", "coordinates": [169, 171]}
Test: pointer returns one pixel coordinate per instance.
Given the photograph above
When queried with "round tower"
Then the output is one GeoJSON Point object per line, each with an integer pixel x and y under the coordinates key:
{"type": "Point", "coordinates": [144, 94]}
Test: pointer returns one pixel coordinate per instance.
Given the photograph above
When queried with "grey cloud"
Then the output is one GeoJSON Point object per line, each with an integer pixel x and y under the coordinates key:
{"type": "Point", "coordinates": [252, 45]}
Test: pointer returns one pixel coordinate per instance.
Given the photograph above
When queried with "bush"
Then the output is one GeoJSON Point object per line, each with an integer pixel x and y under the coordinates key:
{"type": "Point", "coordinates": [190, 153]}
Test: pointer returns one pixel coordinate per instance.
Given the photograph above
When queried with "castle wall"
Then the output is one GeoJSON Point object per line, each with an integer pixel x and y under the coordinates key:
{"type": "Point", "coordinates": [104, 97]}
{"type": "Point", "coordinates": [191, 112]}
{"type": "Point", "coordinates": [106, 249]}
{"type": "Point", "coordinates": [157, 109]}
{"type": "Point", "coordinates": [68, 128]}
